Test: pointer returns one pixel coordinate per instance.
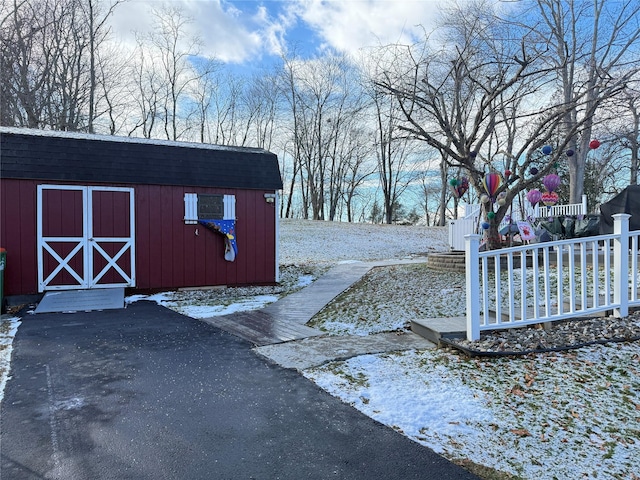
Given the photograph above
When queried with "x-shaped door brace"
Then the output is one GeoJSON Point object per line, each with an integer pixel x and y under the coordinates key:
{"type": "Point", "coordinates": [63, 262]}
{"type": "Point", "coordinates": [111, 261]}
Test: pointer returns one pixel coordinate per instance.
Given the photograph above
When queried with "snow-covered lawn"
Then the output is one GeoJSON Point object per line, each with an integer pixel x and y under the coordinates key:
{"type": "Point", "coordinates": [564, 415]}
{"type": "Point", "coordinates": [554, 416]}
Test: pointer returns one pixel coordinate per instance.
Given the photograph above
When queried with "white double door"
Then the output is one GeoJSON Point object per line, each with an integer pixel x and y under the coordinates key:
{"type": "Point", "coordinates": [85, 237]}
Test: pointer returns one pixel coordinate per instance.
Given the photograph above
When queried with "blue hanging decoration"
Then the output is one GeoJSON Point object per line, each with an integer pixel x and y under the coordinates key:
{"type": "Point", "coordinates": [228, 229]}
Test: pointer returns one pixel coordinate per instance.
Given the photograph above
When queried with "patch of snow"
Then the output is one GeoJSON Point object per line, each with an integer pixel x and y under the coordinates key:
{"type": "Point", "coordinates": [305, 280]}
{"type": "Point", "coordinates": [7, 333]}
{"type": "Point", "coordinates": [242, 305]}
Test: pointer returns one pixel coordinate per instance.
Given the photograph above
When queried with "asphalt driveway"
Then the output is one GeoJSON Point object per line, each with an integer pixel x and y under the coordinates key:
{"type": "Point", "coordinates": [146, 393]}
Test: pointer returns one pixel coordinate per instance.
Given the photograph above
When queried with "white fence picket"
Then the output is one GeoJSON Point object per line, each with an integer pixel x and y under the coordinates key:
{"type": "Point", "coordinates": [494, 302]}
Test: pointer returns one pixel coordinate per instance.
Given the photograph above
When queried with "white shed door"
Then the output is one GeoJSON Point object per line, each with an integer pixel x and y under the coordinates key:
{"type": "Point", "coordinates": [85, 237]}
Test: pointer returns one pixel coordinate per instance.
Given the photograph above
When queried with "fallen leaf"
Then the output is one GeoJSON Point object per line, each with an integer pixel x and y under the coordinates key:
{"type": "Point", "coordinates": [529, 379]}
{"type": "Point", "coordinates": [521, 432]}
{"type": "Point", "coordinates": [515, 390]}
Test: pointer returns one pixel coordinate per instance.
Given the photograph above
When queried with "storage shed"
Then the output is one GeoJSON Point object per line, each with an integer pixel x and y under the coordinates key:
{"type": "Point", "coordinates": [88, 211]}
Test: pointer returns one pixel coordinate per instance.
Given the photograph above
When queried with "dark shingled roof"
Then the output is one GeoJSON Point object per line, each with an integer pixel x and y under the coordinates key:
{"type": "Point", "coordinates": [63, 156]}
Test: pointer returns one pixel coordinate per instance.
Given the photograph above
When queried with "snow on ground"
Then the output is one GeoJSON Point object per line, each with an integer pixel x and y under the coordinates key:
{"type": "Point", "coordinates": [307, 248]}
{"type": "Point", "coordinates": [553, 416]}
{"type": "Point", "coordinates": [8, 328]}
{"type": "Point", "coordinates": [305, 241]}
{"type": "Point", "coordinates": [197, 304]}
{"type": "Point", "coordinates": [559, 415]}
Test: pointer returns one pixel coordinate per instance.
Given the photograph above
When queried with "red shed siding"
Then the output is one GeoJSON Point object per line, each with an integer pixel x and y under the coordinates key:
{"type": "Point", "coordinates": [169, 254]}
{"type": "Point", "coordinates": [18, 235]}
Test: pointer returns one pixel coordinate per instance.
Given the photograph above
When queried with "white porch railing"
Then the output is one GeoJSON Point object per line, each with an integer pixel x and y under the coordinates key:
{"type": "Point", "coordinates": [461, 227]}
{"type": "Point", "coordinates": [559, 210]}
{"type": "Point", "coordinates": [551, 281]}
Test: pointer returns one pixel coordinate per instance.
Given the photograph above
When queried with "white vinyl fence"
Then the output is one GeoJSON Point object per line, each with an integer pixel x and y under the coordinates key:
{"type": "Point", "coordinates": [544, 282]}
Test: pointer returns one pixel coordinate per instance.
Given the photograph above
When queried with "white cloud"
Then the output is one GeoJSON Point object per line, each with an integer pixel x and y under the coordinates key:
{"type": "Point", "coordinates": [348, 25]}
{"type": "Point", "coordinates": [226, 32]}
{"type": "Point", "coordinates": [246, 31]}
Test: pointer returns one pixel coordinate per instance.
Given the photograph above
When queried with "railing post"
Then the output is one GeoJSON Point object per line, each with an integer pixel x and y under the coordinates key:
{"type": "Point", "coordinates": [584, 205]}
{"type": "Point", "coordinates": [472, 273]}
{"type": "Point", "coordinates": [621, 264]}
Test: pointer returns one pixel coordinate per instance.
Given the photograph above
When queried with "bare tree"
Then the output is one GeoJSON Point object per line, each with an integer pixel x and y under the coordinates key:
{"type": "Point", "coordinates": [357, 167]}
{"type": "Point", "coordinates": [393, 153]}
{"type": "Point", "coordinates": [287, 85]}
{"type": "Point", "coordinates": [623, 129]}
{"type": "Point", "coordinates": [97, 15]}
{"type": "Point", "coordinates": [25, 64]}
{"type": "Point", "coordinates": [594, 47]}
{"type": "Point", "coordinates": [146, 90]}
{"type": "Point", "coordinates": [175, 50]}
{"type": "Point", "coordinates": [48, 61]}
{"type": "Point", "coordinates": [323, 102]}
{"type": "Point", "coordinates": [465, 99]}
{"type": "Point", "coordinates": [262, 103]}
{"type": "Point", "coordinates": [43, 64]}
{"type": "Point", "coordinates": [202, 91]}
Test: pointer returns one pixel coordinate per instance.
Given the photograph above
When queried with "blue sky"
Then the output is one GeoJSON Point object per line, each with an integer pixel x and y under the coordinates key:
{"type": "Point", "coordinates": [247, 32]}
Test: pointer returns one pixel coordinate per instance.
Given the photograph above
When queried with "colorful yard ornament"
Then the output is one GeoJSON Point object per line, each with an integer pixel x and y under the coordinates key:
{"type": "Point", "coordinates": [491, 183]}
{"type": "Point", "coordinates": [533, 171]}
{"type": "Point", "coordinates": [485, 225]}
{"type": "Point", "coordinates": [526, 231]}
{"type": "Point", "coordinates": [534, 196]}
{"type": "Point", "coordinates": [551, 182]}
{"type": "Point", "coordinates": [459, 187]}
{"type": "Point", "coordinates": [484, 198]}
{"type": "Point", "coordinates": [491, 215]}
{"type": "Point", "coordinates": [473, 154]}
{"type": "Point", "coordinates": [547, 149]}
{"type": "Point", "coordinates": [593, 144]}
{"type": "Point", "coordinates": [550, 198]}
{"type": "Point", "coordinates": [226, 228]}
{"type": "Point", "coordinates": [570, 153]}
{"type": "Point", "coordinates": [501, 199]}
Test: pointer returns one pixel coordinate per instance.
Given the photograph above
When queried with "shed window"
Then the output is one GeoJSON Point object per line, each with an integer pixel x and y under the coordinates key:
{"type": "Point", "coordinates": [199, 206]}
{"type": "Point", "coordinates": [211, 207]}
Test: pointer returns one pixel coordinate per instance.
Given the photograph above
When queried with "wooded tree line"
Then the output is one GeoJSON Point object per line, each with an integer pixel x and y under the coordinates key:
{"type": "Point", "coordinates": [359, 139]}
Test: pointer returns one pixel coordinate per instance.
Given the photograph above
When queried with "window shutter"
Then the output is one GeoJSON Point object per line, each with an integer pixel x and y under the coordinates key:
{"type": "Point", "coordinates": [190, 208]}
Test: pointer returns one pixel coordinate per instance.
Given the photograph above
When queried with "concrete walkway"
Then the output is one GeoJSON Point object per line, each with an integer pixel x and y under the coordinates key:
{"type": "Point", "coordinates": [280, 334]}
{"type": "Point", "coordinates": [301, 306]}
{"type": "Point", "coordinates": [315, 351]}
